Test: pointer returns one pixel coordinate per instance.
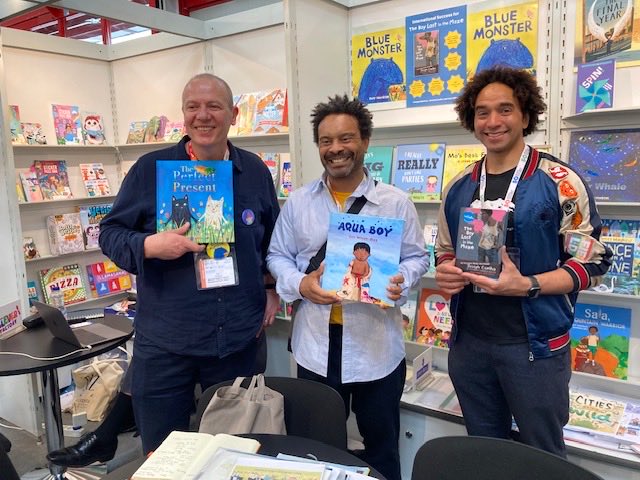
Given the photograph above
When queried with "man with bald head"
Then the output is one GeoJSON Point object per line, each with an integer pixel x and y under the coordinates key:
{"type": "Point", "coordinates": [186, 335]}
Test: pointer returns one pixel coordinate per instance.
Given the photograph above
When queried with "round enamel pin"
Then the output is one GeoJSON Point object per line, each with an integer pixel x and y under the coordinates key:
{"type": "Point", "coordinates": [248, 217]}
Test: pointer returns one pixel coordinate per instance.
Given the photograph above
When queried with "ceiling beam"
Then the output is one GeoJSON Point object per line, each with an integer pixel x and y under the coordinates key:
{"type": "Point", "coordinates": [13, 8]}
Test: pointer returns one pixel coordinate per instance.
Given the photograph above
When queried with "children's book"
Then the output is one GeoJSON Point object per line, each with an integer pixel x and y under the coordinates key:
{"type": "Point", "coordinates": [106, 278]}
{"type": "Point", "coordinates": [271, 112]}
{"type": "Point", "coordinates": [67, 278]}
{"type": "Point", "coordinates": [608, 160]}
{"type": "Point", "coordinates": [136, 131]}
{"type": "Point", "coordinates": [200, 193]}
{"type": "Point", "coordinates": [30, 185]}
{"type": "Point", "coordinates": [65, 233]}
{"type": "Point", "coordinates": [272, 161]}
{"type": "Point", "coordinates": [32, 292]}
{"type": "Point", "coordinates": [608, 28]}
{"type": "Point", "coordinates": [285, 182]}
{"type": "Point", "coordinates": [53, 179]}
{"type": "Point", "coordinates": [155, 129]}
{"type": "Point", "coordinates": [246, 119]}
{"type": "Point", "coordinates": [430, 233]}
{"type": "Point", "coordinates": [481, 234]}
{"type": "Point", "coordinates": [29, 248]}
{"type": "Point", "coordinates": [409, 316]}
{"type": "Point", "coordinates": [418, 170]}
{"type": "Point", "coordinates": [363, 253]}
{"type": "Point", "coordinates": [459, 157]}
{"type": "Point", "coordinates": [66, 123]}
{"type": "Point", "coordinates": [22, 198]}
{"type": "Point", "coordinates": [233, 129]}
{"type": "Point", "coordinates": [33, 134]}
{"type": "Point", "coordinates": [600, 340]}
{"type": "Point", "coordinates": [174, 132]}
{"type": "Point", "coordinates": [433, 322]}
{"type": "Point", "coordinates": [90, 217]}
{"type": "Point", "coordinates": [95, 179]}
{"type": "Point", "coordinates": [378, 161]}
{"type": "Point", "coordinates": [595, 85]}
{"type": "Point", "coordinates": [93, 129]}
{"type": "Point", "coordinates": [17, 137]}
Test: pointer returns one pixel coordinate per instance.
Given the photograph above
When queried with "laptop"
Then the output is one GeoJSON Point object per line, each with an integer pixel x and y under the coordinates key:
{"type": "Point", "coordinates": [85, 336]}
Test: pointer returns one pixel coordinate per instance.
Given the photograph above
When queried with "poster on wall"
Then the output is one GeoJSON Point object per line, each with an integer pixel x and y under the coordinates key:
{"type": "Point", "coordinates": [498, 35]}
{"type": "Point", "coordinates": [436, 56]}
{"type": "Point", "coordinates": [378, 65]}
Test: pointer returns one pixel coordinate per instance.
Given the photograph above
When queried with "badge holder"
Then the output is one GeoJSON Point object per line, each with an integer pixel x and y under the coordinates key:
{"type": "Point", "coordinates": [216, 266]}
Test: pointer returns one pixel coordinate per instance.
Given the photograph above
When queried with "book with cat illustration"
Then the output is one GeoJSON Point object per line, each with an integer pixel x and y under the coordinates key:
{"type": "Point", "coordinates": [200, 193]}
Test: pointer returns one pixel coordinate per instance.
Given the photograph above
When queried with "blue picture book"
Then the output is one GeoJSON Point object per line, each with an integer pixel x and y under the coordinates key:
{"type": "Point", "coordinates": [198, 192]}
{"type": "Point", "coordinates": [362, 254]}
{"type": "Point", "coordinates": [378, 161]}
{"type": "Point", "coordinates": [418, 170]}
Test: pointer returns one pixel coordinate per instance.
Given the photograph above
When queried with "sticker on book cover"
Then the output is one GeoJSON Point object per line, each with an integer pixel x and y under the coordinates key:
{"type": "Point", "coordinates": [579, 245]}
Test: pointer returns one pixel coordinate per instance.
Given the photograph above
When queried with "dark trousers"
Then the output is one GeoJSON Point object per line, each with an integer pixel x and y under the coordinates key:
{"type": "Point", "coordinates": [163, 384]}
{"type": "Point", "coordinates": [494, 382]}
{"type": "Point", "coordinates": [376, 405]}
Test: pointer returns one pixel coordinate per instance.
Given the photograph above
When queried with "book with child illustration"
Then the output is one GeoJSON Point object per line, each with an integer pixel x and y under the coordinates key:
{"type": "Point", "coordinates": [66, 123]}
{"type": "Point", "coordinates": [433, 322]}
{"type": "Point", "coordinates": [363, 253]}
{"type": "Point", "coordinates": [418, 170]}
{"type": "Point", "coordinates": [95, 179]}
{"type": "Point", "coordinates": [53, 178]}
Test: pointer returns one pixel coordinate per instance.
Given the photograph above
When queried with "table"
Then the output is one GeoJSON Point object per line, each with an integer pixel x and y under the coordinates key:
{"type": "Point", "coordinates": [272, 445]}
{"type": "Point", "coordinates": [39, 342]}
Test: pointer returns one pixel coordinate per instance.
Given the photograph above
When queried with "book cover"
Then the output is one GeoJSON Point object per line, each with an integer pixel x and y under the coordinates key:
{"type": "Point", "coordinates": [66, 123]}
{"type": "Point", "coordinates": [378, 161]}
{"type": "Point", "coordinates": [433, 322]}
{"type": "Point", "coordinates": [233, 129]}
{"type": "Point", "coordinates": [17, 137]}
{"type": "Point", "coordinates": [93, 129]}
{"type": "Point", "coordinates": [68, 279]}
{"type": "Point", "coordinates": [90, 217]}
{"type": "Point", "coordinates": [436, 56]}
{"type": "Point", "coordinates": [271, 112]}
{"type": "Point", "coordinates": [363, 252]}
{"type": "Point", "coordinates": [623, 238]}
{"type": "Point", "coordinates": [174, 132]}
{"type": "Point", "coordinates": [200, 193]}
{"type": "Point", "coordinates": [65, 233]}
{"type": "Point", "coordinates": [595, 85]}
{"type": "Point", "coordinates": [459, 157]}
{"type": "Point", "coordinates": [481, 234]}
{"type": "Point", "coordinates": [53, 179]}
{"type": "Point", "coordinates": [409, 316]}
{"type": "Point", "coordinates": [502, 35]}
{"type": "Point", "coordinates": [272, 161]}
{"type": "Point", "coordinates": [607, 28]}
{"type": "Point", "coordinates": [285, 182]}
{"type": "Point", "coordinates": [246, 119]}
{"type": "Point", "coordinates": [418, 170]}
{"type": "Point", "coordinates": [136, 131]}
{"type": "Point", "coordinates": [29, 248]}
{"type": "Point", "coordinates": [430, 233]}
{"type": "Point", "coordinates": [259, 467]}
{"type": "Point", "coordinates": [20, 195]}
{"type": "Point", "coordinates": [106, 278]}
{"type": "Point", "coordinates": [95, 180]}
{"type": "Point", "coordinates": [378, 62]}
{"type": "Point", "coordinates": [33, 134]}
{"type": "Point", "coordinates": [608, 160]}
{"type": "Point", "coordinates": [31, 185]}
{"type": "Point", "coordinates": [600, 340]}
{"type": "Point", "coordinates": [32, 292]}
{"type": "Point", "coordinates": [155, 129]}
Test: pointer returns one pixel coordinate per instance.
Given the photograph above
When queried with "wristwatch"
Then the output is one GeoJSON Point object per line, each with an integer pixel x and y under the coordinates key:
{"type": "Point", "coordinates": [534, 291]}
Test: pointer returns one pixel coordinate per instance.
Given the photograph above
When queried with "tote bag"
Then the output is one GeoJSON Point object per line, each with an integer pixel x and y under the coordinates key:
{"type": "Point", "coordinates": [97, 385]}
{"type": "Point", "coordinates": [234, 409]}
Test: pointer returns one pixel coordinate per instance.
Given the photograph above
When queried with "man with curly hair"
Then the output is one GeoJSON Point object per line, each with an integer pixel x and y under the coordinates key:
{"type": "Point", "coordinates": [510, 350]}
{"type": "Point", "coordinates": [357, 348]}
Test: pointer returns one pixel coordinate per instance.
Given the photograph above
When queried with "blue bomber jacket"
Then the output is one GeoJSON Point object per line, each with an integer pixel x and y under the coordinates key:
{"type": "Point", "coordinates": [552, 204]}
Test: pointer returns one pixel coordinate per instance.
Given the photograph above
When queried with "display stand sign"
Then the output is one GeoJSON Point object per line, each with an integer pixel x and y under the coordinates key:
{"type": "Point", "coordinates": [10, 319]}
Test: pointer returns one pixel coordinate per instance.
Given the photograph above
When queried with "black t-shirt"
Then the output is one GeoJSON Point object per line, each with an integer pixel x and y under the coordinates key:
{"type": "Point", "coordinates": [493, 318]}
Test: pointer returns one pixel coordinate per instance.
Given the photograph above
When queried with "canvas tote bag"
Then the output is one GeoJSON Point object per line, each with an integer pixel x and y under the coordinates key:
{"type": "Point", "coordinates": [97, 385]}
{"type": "Point", "coordinates": [234, 409]}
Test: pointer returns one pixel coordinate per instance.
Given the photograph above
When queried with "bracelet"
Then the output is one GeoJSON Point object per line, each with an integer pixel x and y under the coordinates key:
{"type": "Point", "coordinates": [269, 286]}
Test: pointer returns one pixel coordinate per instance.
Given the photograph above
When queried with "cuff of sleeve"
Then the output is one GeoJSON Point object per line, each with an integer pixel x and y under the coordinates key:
{"type": "Point", "coordinates": [444, 257]}
{"type": "Point", "coordinates": [579, 274]}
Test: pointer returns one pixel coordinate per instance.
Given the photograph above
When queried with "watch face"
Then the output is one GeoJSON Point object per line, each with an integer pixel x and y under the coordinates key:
{"type": "Point", "coordinates": [533, 292]}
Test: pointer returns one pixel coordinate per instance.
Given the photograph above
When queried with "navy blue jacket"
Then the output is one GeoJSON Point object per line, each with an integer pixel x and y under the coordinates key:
{"type": "Point", "coordinates": [171, 312]}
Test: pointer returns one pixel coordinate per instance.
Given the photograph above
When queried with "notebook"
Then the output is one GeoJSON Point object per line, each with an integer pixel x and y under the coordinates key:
{"type": "Point", "coordinates": [84, 336]}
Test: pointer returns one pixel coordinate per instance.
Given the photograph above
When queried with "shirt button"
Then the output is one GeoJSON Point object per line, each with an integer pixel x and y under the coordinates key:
{"type": "Point", "coordinates": [219, 329]}
{"type": "Point", "coordinates": [219, 299]}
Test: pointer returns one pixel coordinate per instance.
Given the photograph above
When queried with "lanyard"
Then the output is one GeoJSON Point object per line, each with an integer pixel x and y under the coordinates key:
{"type": "Point", "coordinates": [514, 180]}
{"type": "Point", "coordinates": [192, 154]}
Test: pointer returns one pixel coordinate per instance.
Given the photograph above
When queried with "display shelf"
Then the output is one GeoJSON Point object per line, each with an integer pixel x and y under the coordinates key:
{"type": "Point", "coordinates": [145, 145]}
{"type": "Point", "coordinates": [595, 294]}
{"type": "Point", "coordinates": [64, 255]}
{"type": "Point", "coordinates": [102, 199]}
{"type": "Point", "coordinates": [21, 148]}
{"type": "Point", "coordinates": [606, 116]}
{"type": "Point", "coordinates": [93, 300]}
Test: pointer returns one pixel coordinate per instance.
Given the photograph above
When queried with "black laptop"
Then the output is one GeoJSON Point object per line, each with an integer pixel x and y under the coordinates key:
{"type": "Point", "coordinates": [84, 336]}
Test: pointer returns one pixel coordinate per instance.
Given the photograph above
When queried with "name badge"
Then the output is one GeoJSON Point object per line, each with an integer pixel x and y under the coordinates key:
{"type": "Point", "coordinates": [216, 266]}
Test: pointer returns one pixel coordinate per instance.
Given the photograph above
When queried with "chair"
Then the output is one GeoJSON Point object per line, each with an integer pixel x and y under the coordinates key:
{"type": "Point", "coordinates": [311, 409]}
{"type": "Point", "coordinates": [483, 458]}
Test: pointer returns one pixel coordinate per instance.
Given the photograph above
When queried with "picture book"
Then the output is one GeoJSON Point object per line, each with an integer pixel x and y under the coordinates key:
{"type": "Point", "coordinates": [600, 340]}
{"type": "Point", "coordinates": [95, 179]}
{"type": "Point", "coordinates": [409, 316]}
{"type": "Point", "coordinates": [200, 193]}
{"type": "Point", "coordinates": [155, 129]}
{"type": "Point", "coordinates": [32, 291]}
{"type": "Point", "coordinates": [182, 455]}
{"type": "Point", "coordinates": [378, 161]}
{"type": "Point", "coordinates": [608, 160]}
{"type": "Point", "coordinates": [246, 119]}
{"type": "Point", "coordinates": [363, 252]}
{"type": "Point", "coordinates": [595, 85]}
{"type": "Point", "coordinates": [272, 161]}
{"type": "Point", "coordinates": [271, 114]}
{"type": "Point", "coordinates": [430, 233]}
{"type": "Point", "coordinates": [233, 129]}
{"type": "Point", "coordinates": [623, 238]}
{"type": "Point", "coordinates": [53, 179]}
{"type": "Point", "coordinates": [174, 132]}
{"type": "Point", "coordinates": [436, 60]}
{"type": "Point", "coordinates": [106, 278]}
{"type": "Point", "coordinates": [136, 131]}
{"type": "Point", "coordinates": [264, 467]}
{"type": "Point", "coordinates": [65, 233]}
{"type": "Point", "coordinates": [66, 123]}
{"type": "Point", "coordinates": [607, 28]}
{"type": "Point", "coordinates": [433, 322]}
{"type": "Point", "coordinates": [29, 248]}
{"type": "Point", "coordinates": [67, 278]}
{"type": "Point", "coordinates": [285, 181]}
{"type": "Point", "coordinates": [459, 157]}
{"type": "Point", "coordinates": [17, 137]}
{"type": "Point", "coordinates": [93, 129]}
{"type": "Point", "coordinates": [90, 217]}
{"type": "Point", "coordinates": [378, 62]}
{"type": "Point", "coordinates": [33, 134]}
{"type": "Point", "coordinates": [418, 170]}
{"type": "Point", "coordinates": [22, 198]}
{"type": "Point", "coordinates": [31, 185]}
{"type": "Point", "coordinates": [481, 234]}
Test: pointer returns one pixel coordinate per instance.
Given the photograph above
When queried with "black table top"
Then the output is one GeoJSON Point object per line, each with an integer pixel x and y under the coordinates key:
{"type": "Point", "coordinates": [40, 343]}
